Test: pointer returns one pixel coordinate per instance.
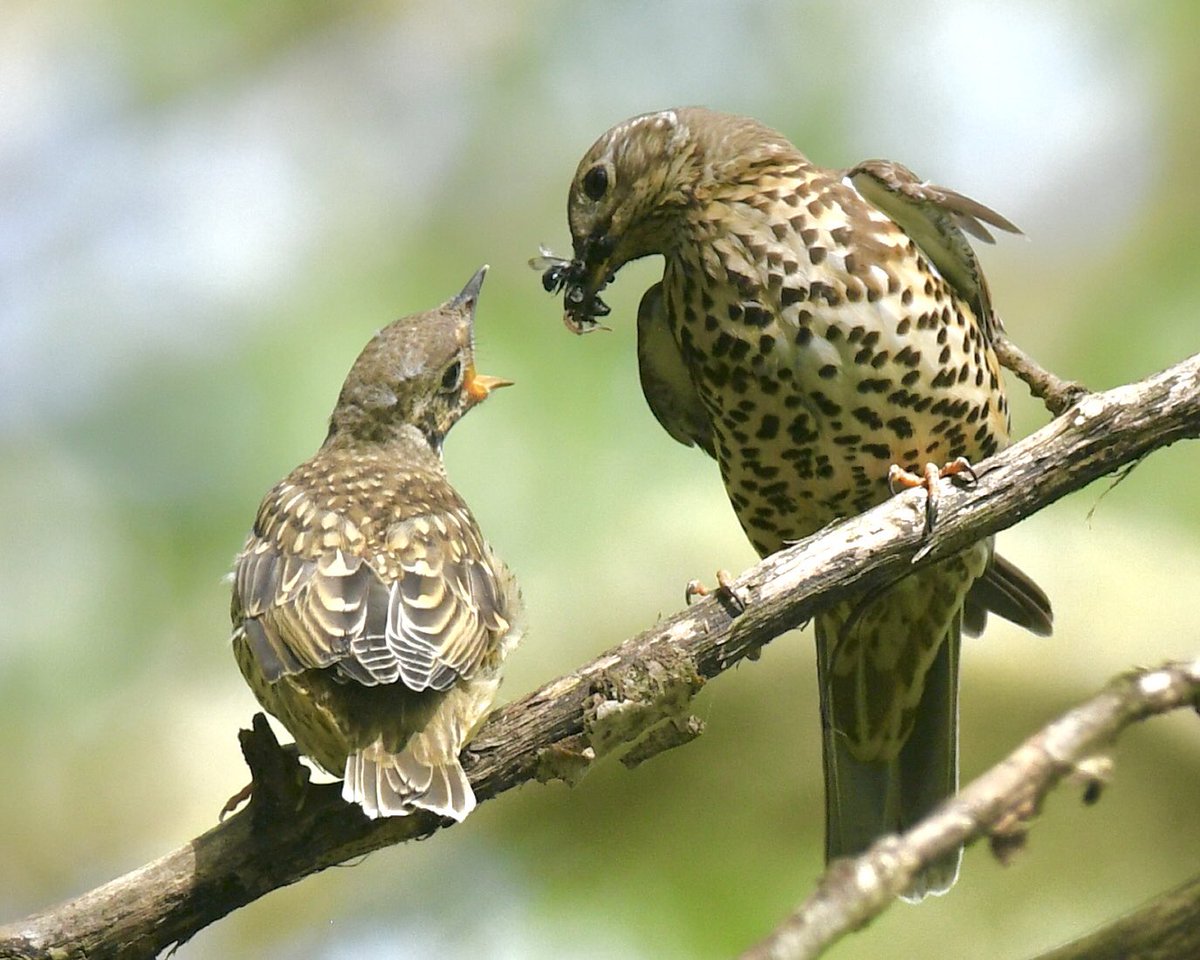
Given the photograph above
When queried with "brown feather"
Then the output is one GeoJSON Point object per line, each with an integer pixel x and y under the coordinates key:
{"type": "Point", "coordinates": [813, 327]}
{"type": "Point", "coordinates": [369, 614]}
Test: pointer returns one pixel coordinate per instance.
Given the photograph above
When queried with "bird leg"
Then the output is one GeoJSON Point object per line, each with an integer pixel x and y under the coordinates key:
{"type": "Point", "coordinates": [901, 479]}
{"type": "Point", "coordinates": [736, 598]}
{"type": "Point", "coordinates": [276, 772]}
{"type": "Point", "coordinates": [236, 800]}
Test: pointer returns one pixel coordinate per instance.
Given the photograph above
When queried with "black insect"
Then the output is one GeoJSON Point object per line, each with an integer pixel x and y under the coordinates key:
{"type": "Point", "coordinates": [556, 271]}
{"type": "Point", "coordinates": [558, 274]}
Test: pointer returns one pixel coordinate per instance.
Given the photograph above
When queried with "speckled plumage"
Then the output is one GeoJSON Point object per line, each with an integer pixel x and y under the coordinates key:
{"type": "Point", "coordinates": [369, 614]}
{"type": "Point", "coordinates": [812, 328]}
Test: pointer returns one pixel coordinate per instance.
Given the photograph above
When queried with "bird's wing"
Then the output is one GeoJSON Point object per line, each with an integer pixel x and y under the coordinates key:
{"type": "Point", "coordinates": [422, 609]}
{"type": "Point", "coordinates": [666, 382]}
{"type": "Point", "coordinates": [1009, 592]}
{"type": "Point", "coordinates": [935, 218]}
{"type": "Point", "coordinates": [445, 605]}
{"type": "Point", "coordinates": [300, 612]}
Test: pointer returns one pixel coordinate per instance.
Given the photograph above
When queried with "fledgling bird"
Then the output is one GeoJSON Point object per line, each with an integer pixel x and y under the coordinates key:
{"type": "Point", "coordinates": [369, 614]}
{"type": "Point", "coordinates": [813, 328]}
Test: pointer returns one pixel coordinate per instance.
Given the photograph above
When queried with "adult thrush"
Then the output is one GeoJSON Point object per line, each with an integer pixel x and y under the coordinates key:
{"type": "Point", "coordinates": [813, 328]}
{"type": "Point", "coordinates": [369, 615]}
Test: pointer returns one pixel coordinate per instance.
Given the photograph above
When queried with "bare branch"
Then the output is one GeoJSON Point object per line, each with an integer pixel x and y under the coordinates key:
{"type": "Point", "coordinates": [1056, 393]}
{"type": "Point", "coordinates": [558, 731]}
{"type": "Point", "coordinates": [1166, 928]}
{"type": "Point", "coordinates": [998, 805]}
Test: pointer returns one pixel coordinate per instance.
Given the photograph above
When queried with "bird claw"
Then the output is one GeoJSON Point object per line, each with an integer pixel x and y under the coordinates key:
{"type": "Point", "coordinates": [735, 597]}
{"type": "Point", "coordinates": [274, 767]}
{"type": "Point", "coordinates": [236, 801]}
{"type": "Point", "coordinates": [900, 479]}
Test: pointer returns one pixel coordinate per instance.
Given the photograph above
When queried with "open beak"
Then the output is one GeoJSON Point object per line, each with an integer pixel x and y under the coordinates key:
{"type": "Point", "coordinates": [479, 385]}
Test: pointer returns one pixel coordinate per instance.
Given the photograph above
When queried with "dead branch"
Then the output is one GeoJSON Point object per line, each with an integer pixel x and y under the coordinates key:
{"type": "Point", "coordinates": [998, 805]}
{"type": "Point", "coordinates": [1056, 393]}
{"type": "Point", "coordinates": [1166, 928]}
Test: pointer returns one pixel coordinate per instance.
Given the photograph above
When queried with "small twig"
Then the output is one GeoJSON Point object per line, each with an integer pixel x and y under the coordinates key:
{"type": "Point", "coordinates": [999, 803]}
{"type": "Point", "coordinates": [1115, 481]}
{"type": "Point", "coordinates": [1059, 395]}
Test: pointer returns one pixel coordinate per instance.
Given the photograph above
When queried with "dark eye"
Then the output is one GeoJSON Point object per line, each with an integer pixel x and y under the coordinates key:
{"type": "Point", "coordinates": [452, 378]}
{"type": "Point", "coordinates": [595, 183]}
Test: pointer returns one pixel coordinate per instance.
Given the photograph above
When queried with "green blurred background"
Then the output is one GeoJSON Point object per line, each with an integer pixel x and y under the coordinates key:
{"type": "Point", "coordinates": [206, 209]}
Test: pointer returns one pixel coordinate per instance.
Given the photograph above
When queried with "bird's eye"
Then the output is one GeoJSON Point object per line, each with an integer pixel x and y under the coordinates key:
{"type": "Point", "coordinates": [595, 183]}
{"type": "Point", "coordinates": [452, 377]}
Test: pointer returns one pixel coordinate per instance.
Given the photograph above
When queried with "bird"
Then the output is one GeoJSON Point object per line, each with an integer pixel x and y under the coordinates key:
{"type": "Point", "coordinates": [815, 331]}
{"type": "Point", "coordinates": [369, 614]}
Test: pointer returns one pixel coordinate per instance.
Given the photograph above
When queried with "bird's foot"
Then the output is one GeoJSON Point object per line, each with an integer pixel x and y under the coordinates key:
{"type": "Point", "coordinates": [278, 781]}
{"type": "Point", "coordinates": [290, 750]}
{"type": "Point", "coordinates": [236, 800]}
{"type": "Point", "coordinates": [901, 479]}
{"type": "Point", "coordinates": [734, 597]}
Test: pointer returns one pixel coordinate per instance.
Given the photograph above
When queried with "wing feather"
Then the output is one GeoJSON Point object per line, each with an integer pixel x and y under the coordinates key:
{"type": "Point", "coordinates": [422, 611]}
{"type": "Point", "coordinates": [935, 218]}
{"type": "Point", "coordinates": [666, 382]}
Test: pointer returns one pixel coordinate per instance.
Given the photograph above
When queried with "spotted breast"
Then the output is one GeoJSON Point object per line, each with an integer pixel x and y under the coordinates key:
{"type": "Point", "coordinates": [812, 328]}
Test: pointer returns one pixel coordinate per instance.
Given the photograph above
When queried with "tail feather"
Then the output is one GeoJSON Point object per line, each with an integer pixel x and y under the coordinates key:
{"type": "Point", "coordinates": [426, 773]}
{"type": "Point", "coordinates": [1009, 592]}
{"type": "Point", "coordinates": [928, 762]}
{"type": "Point", "coordinates": [866, 799]}
{"type": "Point", "coordinates": [395, 784]}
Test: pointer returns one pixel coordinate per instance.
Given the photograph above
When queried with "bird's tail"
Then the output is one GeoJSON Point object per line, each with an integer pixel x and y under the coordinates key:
{"type": "Point", "coordinates": [395, 784]}
{"type": "Point", "coordinates": [891, 790]}
{"type": "Point", "coordinates": [425, 772]}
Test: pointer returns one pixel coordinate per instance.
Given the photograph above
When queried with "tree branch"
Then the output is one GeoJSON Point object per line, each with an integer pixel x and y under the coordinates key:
{"type": "Point", "coordinates": [1166, 928]}
{"type": "Point", "coordinates": [636, 689]}
{"type": "Point", "coordinates": [998, 805]}
{"type": "Point", "coordinates": [1056, 393]}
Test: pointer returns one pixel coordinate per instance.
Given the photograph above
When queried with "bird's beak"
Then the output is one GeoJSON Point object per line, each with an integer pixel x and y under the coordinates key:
{"type": "Point", "coordinates": [470, 293]}
{"type": "Point", "coordinates": [587, 275]}
{"type": "Point", "coordinates": [479, 385]}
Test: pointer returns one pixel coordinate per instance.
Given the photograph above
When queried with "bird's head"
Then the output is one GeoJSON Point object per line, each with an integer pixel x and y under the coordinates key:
{"type": "Point", "coordinates": [633, 189]}
{"type": "Point", "coordinates": [419, 372]}
{"type": "Point", "coordinates": [628, 190]}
